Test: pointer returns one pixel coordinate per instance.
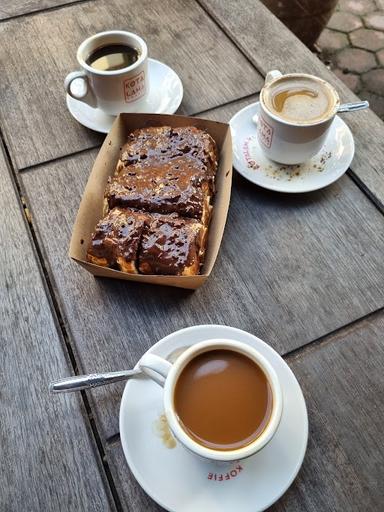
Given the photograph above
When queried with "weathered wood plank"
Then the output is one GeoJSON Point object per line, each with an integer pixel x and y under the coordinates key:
{"type": "Point", "coordinates": [133, 498]}
{"type": "Point", "coordinates": [10, 8]}
{"type": "Point", "coordinates": [48, 458]}
{"type": "Point", "coordinates": [270, 45]}
{"type": "Point", "coordinates": [36, 122]}
{"type": "Point", "coordinates": [342, 380]}
{"type": "Point", "coordinates": [291, 269]}
{"type": "Point", "coordinates": [343, 383]}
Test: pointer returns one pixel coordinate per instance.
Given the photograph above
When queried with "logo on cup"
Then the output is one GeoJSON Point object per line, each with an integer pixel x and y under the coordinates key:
{"type": "Point", "coordinates": [265, 132]}
{"type": "Point", "coordinates": [134, 87]}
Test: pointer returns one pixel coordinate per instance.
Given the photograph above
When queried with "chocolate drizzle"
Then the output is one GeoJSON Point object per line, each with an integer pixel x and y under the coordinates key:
{"type": "Point", "coordinates": [164, 143]}
{"type": "Point", "coordinates": [159, 203]}
{"type": "Point", "coordinates": [179, 185]}
{"type": "Point", "coordinates": [170, 245]}
{"type": "Point", "coordinates": [118, 235]}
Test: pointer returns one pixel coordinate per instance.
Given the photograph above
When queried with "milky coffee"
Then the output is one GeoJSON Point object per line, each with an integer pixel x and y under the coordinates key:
{"type": "Point", "coordinates": [223, 400]}
{"type": "Point", "coordinates": [300, 99]}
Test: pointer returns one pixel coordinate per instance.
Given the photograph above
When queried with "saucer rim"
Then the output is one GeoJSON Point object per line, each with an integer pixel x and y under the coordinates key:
{"type": "Point", "coordinates": [132, 467]}
{"type": "Point", "coordinates": [69, 99]}
{"type": "Point", "coordinates": [281, 189]}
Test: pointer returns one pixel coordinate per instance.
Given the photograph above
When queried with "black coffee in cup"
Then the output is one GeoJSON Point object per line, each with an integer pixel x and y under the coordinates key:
{"type": "Point", "coordinates": [113, 57]}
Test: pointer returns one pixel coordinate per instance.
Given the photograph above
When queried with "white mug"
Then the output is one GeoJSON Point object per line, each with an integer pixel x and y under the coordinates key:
{"type": "Point", "coordinates": [166, 375]}
{"type": "Point", "coordinates": [121, 90]}
{"type": "Point", "coordinates": [288, 142]}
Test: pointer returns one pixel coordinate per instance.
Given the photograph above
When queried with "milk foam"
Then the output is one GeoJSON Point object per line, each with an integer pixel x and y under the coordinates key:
{"type": "Point", "coordinates": [301, 99]}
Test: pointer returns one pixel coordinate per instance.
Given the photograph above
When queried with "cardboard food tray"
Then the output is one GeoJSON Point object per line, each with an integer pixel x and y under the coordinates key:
{"type": "Point", "coordinates": [91, 206]}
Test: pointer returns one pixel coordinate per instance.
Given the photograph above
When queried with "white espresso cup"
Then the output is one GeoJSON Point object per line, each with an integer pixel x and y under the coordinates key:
{"type": "Point", "coordinates": [115, 91]}
{"type": "Point", "coordinates": [290, 142]}
{"type": "Point", "coordinates": [167, 374]}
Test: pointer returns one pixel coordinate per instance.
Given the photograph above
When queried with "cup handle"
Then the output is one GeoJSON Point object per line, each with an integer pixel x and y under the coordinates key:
{"type": "Point", "coordinates": [271, 75]}
{"type": "Point", "coordinates": [88, 97]}
{"type": "Point", "coordinates": [255, 117]}
{"type": "Point", "coordinates": [155, 367]}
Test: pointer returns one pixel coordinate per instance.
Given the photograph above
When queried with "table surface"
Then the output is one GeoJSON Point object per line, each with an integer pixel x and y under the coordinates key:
{"type": "Point", "coordinates": [303, 272]}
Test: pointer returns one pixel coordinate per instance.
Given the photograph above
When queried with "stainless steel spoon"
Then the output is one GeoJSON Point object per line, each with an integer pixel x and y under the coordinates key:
{"type": "Point", "coordinates": [94, 380]}
{"type": "Point", "coordinates": [80, 382]}
{"type": "Point", "coordinates": [352, 107]}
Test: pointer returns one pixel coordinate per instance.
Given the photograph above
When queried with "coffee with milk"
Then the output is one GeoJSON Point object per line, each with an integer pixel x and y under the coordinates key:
{"type": "Point", "coordinates": [300, 99]}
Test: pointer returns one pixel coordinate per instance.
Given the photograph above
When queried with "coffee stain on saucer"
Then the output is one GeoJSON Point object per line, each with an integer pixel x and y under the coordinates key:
{"type": "Point", "coordinates": [163, 431]}
{"type": "Point", "coordinates": [282, 172]}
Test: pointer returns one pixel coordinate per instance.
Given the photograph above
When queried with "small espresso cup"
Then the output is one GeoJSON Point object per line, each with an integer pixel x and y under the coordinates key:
{"type": "Point", "coordinates": [290, 142]}
{"type": "Point", "coordinates": [167, 374]}
{"type": "Point", "coordinates": [115, 91]}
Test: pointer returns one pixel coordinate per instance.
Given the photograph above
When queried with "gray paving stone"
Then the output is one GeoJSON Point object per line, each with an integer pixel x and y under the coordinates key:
{"type": "Point", "coordinates": [355, 60]}
{"type": "Point", "coordinates": [357, 6]}
{"type": "Point", "coordinates": [360, 62]}
{"type": "Point", "coordinates": [344, 22]}
{"type": "Point", "coordinates": [352, 81]}
{"type": "Point", "coordinates": [331, 41]}
{"type": "Point", "coordinates": [375, 20]}
{"type": "Point", "coordinates": [380, 58]}
{"type": "Point", "coordinates": [374, 81]}
{"type": "Point", "coordinates": [368, 39]}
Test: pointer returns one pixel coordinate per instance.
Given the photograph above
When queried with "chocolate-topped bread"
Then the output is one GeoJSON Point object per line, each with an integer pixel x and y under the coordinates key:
{"type": "Point", "coordinates": [161, 144]}
{"type": "Point", "coordinates": [172, 246]}
{"type": "Point", "coordinates": [158, 203]}
{"type": "Point", "coordinates": [177, 186]}
{"type": "Point", "coordinates": [146, 143]}
{"type": "Point", "coordinates": [197, 144]}
{"type": "Point", "coordinates": [115, 242]}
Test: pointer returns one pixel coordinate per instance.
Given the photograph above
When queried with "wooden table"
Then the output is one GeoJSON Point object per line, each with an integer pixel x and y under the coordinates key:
{"type": "Point", "coordinates": [304, 272]}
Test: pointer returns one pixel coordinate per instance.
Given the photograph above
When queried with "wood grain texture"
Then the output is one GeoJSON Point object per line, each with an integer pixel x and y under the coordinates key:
{"type": "Point", "coordinates": [33, 111]}
{"type": "Point", "coordinates": [10, 8]}
{"type": "Point", "coordinates": [133, 497]}
{"type": "Point", "coordinates": [290, 269]}
{"type": "Point", "coordinates": [270, 45]}
{"type": "Point", "coordinates": [48, 459]}
{"type": "Point", "coordinates": [343, 382]}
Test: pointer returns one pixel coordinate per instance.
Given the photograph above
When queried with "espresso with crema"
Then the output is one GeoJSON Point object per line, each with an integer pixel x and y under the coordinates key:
{"type": "Point", "coordinates": [223, 400]}
{"type": "Point", "coordinates": [299, 99]}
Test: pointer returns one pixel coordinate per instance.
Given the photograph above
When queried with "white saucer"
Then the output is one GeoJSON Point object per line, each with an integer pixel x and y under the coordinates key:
{"type": "Point", "coordinates": [181, 482]}
{"type": "Point", "coordinates": [164, 97]}
{"type": "Point", "coordinates": [323, 169]}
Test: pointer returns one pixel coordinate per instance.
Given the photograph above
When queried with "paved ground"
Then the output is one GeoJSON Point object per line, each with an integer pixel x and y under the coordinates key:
{"type": "Point", "coordinates": [353, 46]}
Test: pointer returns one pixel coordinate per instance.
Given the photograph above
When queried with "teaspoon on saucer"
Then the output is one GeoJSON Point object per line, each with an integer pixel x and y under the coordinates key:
{"type": "Point", "coordinates": [94, 380]}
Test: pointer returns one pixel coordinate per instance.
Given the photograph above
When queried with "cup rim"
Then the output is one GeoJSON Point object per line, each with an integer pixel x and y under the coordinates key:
{"type": "Point", "coordinates": [301, 125]}
{"type": "Point", "coordinates": [194, 446]}
{"type": "Point", "coordinates": [81, 49]}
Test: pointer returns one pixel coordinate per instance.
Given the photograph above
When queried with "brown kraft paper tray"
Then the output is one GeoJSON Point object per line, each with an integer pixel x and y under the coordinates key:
{"type": "Point", "coordinates": [91, 206]}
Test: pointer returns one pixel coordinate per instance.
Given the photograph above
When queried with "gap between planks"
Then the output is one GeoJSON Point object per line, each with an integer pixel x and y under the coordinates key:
{"type": "Point", "coordinates": [46, 9]}
{"type": "Point", "coordinates": [60, 325]}
{"type": "Point", "coordinates": [228, 34]}
{"type": "Point", "coordinates": [332, 336]}
{"type": "Point", "coordinates": [96, 146]}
